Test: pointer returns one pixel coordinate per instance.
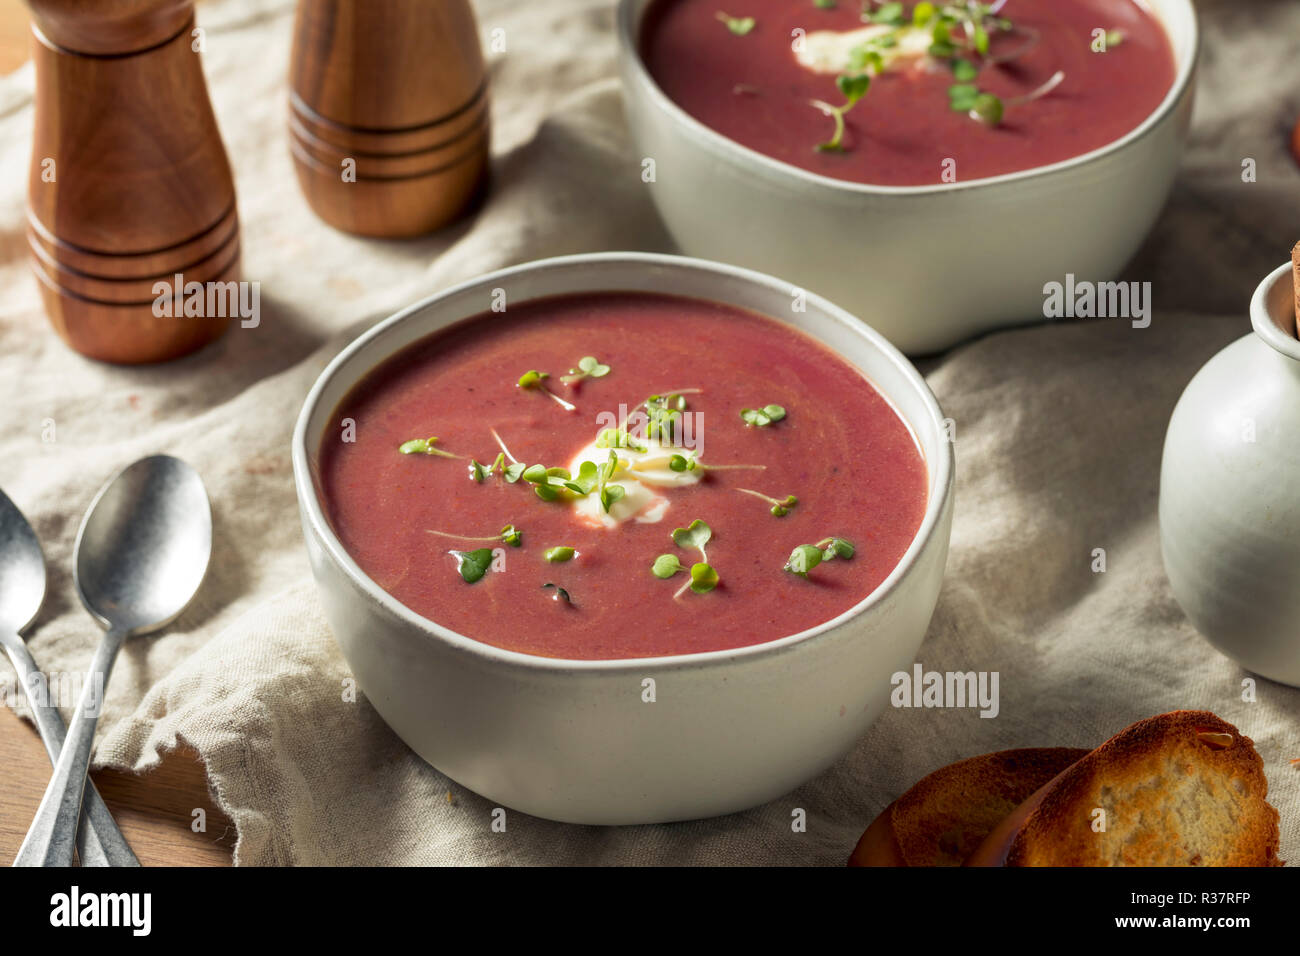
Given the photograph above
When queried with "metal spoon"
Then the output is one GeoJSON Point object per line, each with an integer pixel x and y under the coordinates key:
{"type": "Point", "coordinates": [22, 591]}
{"type": "Point", "coordinates": [142, 551]}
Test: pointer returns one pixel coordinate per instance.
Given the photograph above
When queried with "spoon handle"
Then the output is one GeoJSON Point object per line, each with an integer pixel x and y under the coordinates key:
{"type": "Point", "coordinates": [99, 841]}
{"type": "Point", "coordinates": [53, 834]}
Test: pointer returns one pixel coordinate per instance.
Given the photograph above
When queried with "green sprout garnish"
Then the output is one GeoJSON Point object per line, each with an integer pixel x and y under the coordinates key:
{"type": "Point", "coordinates": [968, 98]}
{"type": "Point", "coordinates": [665, 566]}
{"type": "Point", "coordinates": [535, 380]}
{"type": "Point", "coordinates": [807, 556]}
{"type": "Point", "coordinates": [958, 32]}
{"type": "Point", "coordinates": [760, 417]}
{"type": "Point", "coordinates": [824, 4]}
{"type": "Point", "coordinates": [682, 463]}
{"type": "Point", "coordinates": [702, 577]}
{"type": "Point", "coordinates": [609, 493]}
{"type": "Point", "coordinates": [424, 446]}
{"type": "Point", "coordinates": [560, 593]}
{"type": "Point", "coordinates": [664, 412]}
{"type": "Point", "coordinates": [480, 473]}
{"type": "Point", "coordinates": [472, 565]}
{"type": "Point", "coordinates": [987, 109]}
{"type": "Point", "coordinates": [1114, 38]}
{"type": "Point", "coordinates": [695, 535]}
{"type": "Point", "coordinates": [509, 534]}
{"type": "Point", "coordinates": [585, 480]}
{"type": "Point", "coordinates": [963, 71]}
{"type": "Point", "coordinates": [617, 438]}
{"type": "Point", "coordinates": [737, 25]}
{"type": "Point", "coordinates": [887, 13]}
{"type": "Point", "coordinates": [559, 554]}
{"type": "Point", "coordinates": [853, 88]}
{"type": "Point", "coordinates": [588, 367]}
{"type": "Point", "coordinates": [780, 507]}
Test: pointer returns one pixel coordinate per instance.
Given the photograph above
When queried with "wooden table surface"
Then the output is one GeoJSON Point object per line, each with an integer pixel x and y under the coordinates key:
{"type": "Point", "coordinates": [155, 811]}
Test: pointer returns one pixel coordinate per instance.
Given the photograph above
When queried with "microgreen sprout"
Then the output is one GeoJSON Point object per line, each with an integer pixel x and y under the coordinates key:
{"type": "Point", "coordinates": [617, 438]}
{"type": "Point", "coordinates": [609, 493]}
{"type": "Point", "coordinates": [760, 417]}
{"type": "Point", "coordinates": [509, 534]}
{"type": "Point", "coordinates": [560, 554]}
{"type": "Point", "coordinates": [535, 380]}
{"type": "Point", "coordinates": [695, 535]}
{"type": "Point", "coordinates": [982, 106]}
{"type": "Point", "coordinates": [702, 577]}
{"type": "Point", "coordinates": [807, 556]}
{"type": "Point", "coordinates": [958, 32]}
{"type": "Point", "coordinates": [472, 565]}
{"type": "Point", "coordinates": [560, 593]}
{"type": "Point", "coordinates": [737, 25]}
{"type": "Point", "coordinates": [824, 4]}
{"type": "Point", "coordinates": [1114, 38]}
{"type": "Point", "coordinates": [479, 472]}
{"type": "Point", "coordinates": [588, 367]}
{"type": "Point", "coordinates": [888, 13]}
{"type": "Point", "coordinates": [780, 506]}
{"type": "Point", "coordinates": [664, 413]}
{"type": "Point", "coordinates": [585, 480]}
{"type": "Point", "coordinates": [853, 88]}
{"type": "Point", "coordinates": [665, 566]}
{"type": "Point", "coordinates": [424, 446]}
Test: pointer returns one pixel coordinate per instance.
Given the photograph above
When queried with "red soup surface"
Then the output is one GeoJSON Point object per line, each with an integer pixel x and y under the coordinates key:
{"type": "Point", "coordinates": [841, 449]}
{"type": "Point", "coordinates": [751, 86]}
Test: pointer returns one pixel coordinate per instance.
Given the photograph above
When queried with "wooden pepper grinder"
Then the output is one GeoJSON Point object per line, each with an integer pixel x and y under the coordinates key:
{"type": "Point", "coordinates": [388, 113]}
{"type": "Point", "coordinates": [130, 186]}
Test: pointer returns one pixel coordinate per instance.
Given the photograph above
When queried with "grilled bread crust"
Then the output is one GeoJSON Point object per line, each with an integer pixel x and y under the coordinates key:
{"type": "Point", "coordinates": [1179, 789]}
{"type": "Point", "coordinates": [947, 814]}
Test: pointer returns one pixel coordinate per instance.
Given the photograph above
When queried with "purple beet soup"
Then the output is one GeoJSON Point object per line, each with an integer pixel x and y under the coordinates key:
{"type": "Point", "coordinates": [816, 429]}
{"type": "Point", "coordinates": [732, 65]}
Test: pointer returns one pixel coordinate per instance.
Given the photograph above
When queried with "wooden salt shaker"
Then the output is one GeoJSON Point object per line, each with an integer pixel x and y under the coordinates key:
{"type": "Point", "coordinates": [388, 116]}
{"type": "Point", "coordinates": [130, 185]}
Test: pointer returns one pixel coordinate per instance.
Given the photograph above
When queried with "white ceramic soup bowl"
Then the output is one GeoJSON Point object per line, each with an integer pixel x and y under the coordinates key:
{"type": "Point", "coordinates": [576, 740]}
{"type": "Point", "coordinates": [928, 266]}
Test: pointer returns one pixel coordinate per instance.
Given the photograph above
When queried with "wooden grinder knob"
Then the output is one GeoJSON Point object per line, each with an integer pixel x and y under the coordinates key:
{"type": "Point", "coordinates": [388, 116]}
{"type": "Point", "coordinates": [130, 185]}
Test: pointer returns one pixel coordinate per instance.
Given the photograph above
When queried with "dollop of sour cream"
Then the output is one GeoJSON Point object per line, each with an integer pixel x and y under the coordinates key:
{"type": "Point", "coordinates": [831, 51]}
{"type": "Point", "coordinates": [644, 474]}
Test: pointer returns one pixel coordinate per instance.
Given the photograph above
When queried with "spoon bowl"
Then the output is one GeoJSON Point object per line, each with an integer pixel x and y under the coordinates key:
{"type": "Point", "coordinates": [22, 569]}
{"type": "Point", "coordinates": [144, 545]}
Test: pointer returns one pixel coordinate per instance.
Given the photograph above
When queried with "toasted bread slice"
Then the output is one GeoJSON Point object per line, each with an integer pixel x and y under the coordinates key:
{"type": "Point", "coordinates": [947, 814]}
{"type": "Point", "coordinates": [1180, 789]}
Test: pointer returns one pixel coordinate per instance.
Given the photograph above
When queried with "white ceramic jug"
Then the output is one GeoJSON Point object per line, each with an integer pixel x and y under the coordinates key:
{"type": "Point", "coordinates": [1230, 492]}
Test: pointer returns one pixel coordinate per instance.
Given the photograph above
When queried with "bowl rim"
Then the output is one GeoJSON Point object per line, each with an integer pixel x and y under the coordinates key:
{"type": "Point", "coordinates": [939, 500]}
{"type": "Point", "coordinates": [627, 30]}
{"type": "Point", "coordinates": [1262, 319]}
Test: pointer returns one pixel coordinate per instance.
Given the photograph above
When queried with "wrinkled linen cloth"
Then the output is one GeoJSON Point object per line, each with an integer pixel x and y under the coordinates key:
{"type": "Point", "coordinates": [1059, 429]}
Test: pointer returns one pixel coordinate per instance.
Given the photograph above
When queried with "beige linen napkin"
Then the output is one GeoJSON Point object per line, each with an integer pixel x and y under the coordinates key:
{"type": "Point", "coordinates": [1059, 430]}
